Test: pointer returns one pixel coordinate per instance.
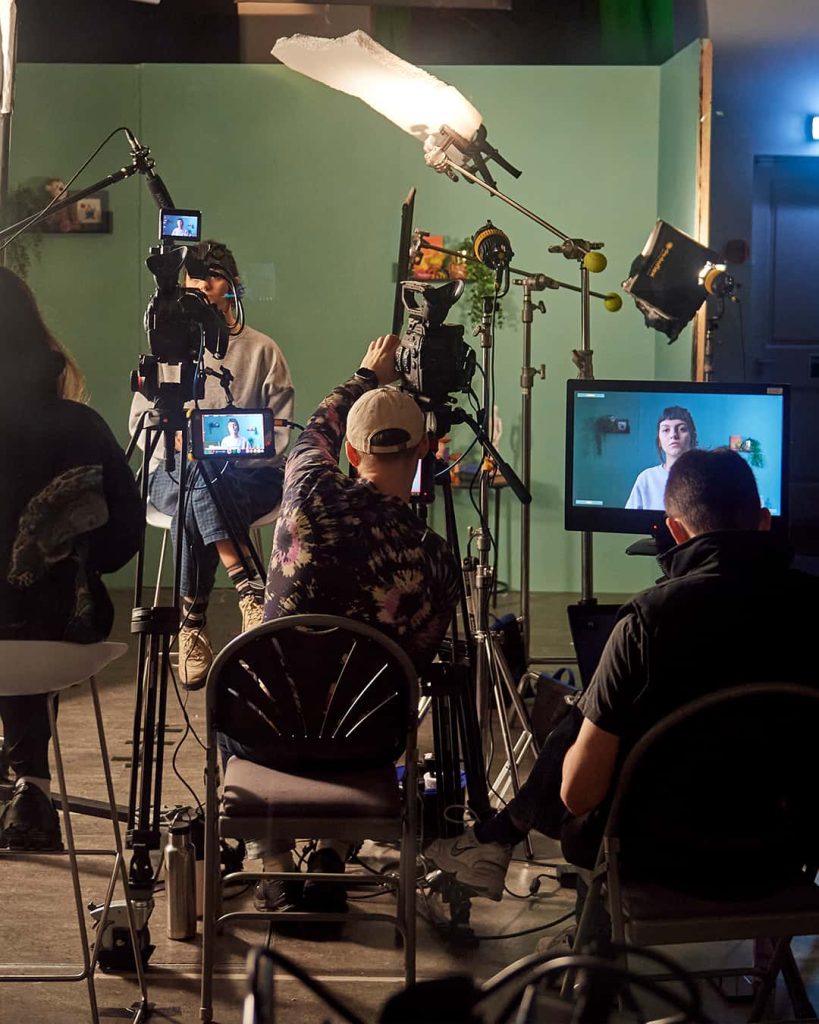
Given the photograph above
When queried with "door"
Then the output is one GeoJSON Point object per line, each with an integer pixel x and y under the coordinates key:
{"type": "Point", "coordinates": [784, 337]}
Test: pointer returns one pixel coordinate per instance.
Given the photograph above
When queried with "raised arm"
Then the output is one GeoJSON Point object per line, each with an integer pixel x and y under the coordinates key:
{"type": "Point", "coordinates": [323, 436]}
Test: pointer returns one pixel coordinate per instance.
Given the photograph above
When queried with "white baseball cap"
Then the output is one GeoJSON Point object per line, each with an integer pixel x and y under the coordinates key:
{"type": "Point", "coordinates": [385, 420]}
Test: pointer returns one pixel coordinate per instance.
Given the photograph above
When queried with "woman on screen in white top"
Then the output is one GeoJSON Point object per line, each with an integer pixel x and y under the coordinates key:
{"type": "Point", "coordinates": [234, 441]}
{"type": "Point", "coordinates": [676, 434]}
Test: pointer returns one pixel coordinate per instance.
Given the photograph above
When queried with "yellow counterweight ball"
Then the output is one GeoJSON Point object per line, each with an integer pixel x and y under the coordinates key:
{"type": "Point", "coordinates": [594, 262]}
{"type": "Point", "coordinates": [612, 302]}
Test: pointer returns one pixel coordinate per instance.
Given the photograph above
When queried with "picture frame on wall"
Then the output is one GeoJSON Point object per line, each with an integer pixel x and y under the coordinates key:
{"type": "Point", "coordinates": [87, 216]}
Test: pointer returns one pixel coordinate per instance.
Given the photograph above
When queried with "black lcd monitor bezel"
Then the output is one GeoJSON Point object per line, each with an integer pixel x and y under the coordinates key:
{"type": "Point", "coordinates": [651, 522]}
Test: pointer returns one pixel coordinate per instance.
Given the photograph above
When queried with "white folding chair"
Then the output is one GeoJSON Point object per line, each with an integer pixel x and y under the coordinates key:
{"type": "Point", "coordinates": [42, 666]}
{"type": "Point", "coordinates": [161, 521]}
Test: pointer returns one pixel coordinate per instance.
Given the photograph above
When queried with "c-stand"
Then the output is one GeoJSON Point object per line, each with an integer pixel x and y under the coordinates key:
{"type": "Point", "coordinates": [470, 673]}
{"type": "Point", "coordinates": [448, 692]}
{"type": "Point", "coordinates": [493, 675]}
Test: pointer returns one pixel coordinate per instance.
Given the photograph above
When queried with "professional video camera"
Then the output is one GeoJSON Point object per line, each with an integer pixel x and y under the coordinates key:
{"type": "Point", "coordinates": [433, 360]}
{"type": "Point", "coordinates": [180, 322]}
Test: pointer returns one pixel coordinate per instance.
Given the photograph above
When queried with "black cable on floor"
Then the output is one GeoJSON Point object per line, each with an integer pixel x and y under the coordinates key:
{"type": "Point", "coordinates": [527, 931]}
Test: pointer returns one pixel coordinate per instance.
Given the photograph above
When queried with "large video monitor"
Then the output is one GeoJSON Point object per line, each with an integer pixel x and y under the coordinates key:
{"type": "Point", "coordinates": [621, 433]}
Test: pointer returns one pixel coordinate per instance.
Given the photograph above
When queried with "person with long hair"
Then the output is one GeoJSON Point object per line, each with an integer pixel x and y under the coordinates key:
{"type": "Point", "coordinates": [71, 511]}
{"type": "Point", "coordinates": [676, 433]}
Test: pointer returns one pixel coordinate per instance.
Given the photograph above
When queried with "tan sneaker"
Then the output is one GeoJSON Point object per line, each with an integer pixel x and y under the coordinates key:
{"type": "Point", "coordinates": [252, 612]}
{"type": "Point", "coordinates": [195, 658]}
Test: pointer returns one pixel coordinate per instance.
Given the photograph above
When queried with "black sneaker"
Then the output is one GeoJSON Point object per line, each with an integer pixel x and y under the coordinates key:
{"type": "Point", "coordinates": [29, 821]}
{"type": "Point", "coordinates": [278, 894]}
{"type": "Point", "coordinates": [325, 897]}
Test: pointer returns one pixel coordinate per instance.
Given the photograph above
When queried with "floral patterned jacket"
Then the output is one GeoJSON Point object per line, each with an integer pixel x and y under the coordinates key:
{"type": "Point", "coordinates": [342, 547]}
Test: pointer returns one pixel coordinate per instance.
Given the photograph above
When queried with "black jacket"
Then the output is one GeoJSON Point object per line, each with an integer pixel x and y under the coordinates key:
{"type": "Point", "coordinates": [52, 597]}
{"type": "Point", "coordinates": [731, 611]}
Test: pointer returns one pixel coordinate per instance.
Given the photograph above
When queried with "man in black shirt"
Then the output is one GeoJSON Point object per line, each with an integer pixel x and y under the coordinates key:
{"type": "Point", "coordinates": [730, 611]}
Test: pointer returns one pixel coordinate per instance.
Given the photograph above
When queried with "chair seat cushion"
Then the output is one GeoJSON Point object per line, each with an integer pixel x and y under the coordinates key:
{"type": "Point", "coordinates": [251, 791]}
{"type": "Point", "coordinates": [648, 901]}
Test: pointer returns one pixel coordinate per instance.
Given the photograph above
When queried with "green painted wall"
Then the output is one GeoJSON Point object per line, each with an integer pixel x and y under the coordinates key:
{"type": "Point", "coordinates": [677, 181]}
{"type": "Point", "coordinates": [306, 185]}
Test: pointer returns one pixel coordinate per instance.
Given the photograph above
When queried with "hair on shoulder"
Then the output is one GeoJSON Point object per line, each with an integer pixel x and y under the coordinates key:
{"type": "Point", "coordinates": [41, 363]}
{"type": "Point", "coordinates": [712, 491]}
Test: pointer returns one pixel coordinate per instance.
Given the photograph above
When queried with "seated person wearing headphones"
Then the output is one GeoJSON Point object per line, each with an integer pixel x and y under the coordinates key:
{"type": "Point", "coordinates": [261, 378]}
{"type": "Point", "coordinates": [70, 512]}
{"type": "Point", "coordinates": [353, 547]}
{"type": "Point", "coordinates": [672, 643]}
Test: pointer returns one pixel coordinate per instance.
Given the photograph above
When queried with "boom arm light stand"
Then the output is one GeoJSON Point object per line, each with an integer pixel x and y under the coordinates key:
{"type": "Point", "coordinates": [454, 139]}
{"type": "Point", "coordinates": [590, 260]}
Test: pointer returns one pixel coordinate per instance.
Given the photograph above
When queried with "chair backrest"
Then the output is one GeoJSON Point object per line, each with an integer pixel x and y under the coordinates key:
{"type": "Point", "coordinates": [314, 689]}
{"type": "Point", "coordinates": [722, 793]}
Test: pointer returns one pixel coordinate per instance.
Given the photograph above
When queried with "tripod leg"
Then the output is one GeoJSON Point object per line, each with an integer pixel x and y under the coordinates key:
{"type": "Point", "coordinates": [238, 533]}
{"type": "Point", "coordinates": [447, 767]}
{"type": "Point", "coordinates": [470, 734]}
{"type": "Point", "coordinates": [506, 733]}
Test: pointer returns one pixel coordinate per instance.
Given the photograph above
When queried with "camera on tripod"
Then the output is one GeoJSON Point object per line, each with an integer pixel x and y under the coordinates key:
{"type": "Point", "coordinates": [433, 360]}
{"type": "Point", "coordinates": [180, 322]}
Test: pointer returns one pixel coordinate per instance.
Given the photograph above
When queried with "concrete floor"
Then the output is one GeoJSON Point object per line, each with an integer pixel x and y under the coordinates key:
{"type": "Point", "coordinates": [363, 968]}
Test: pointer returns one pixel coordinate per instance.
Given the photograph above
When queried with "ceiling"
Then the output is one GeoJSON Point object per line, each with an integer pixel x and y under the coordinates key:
{"type": "Point", "coordinates": [423, 31]}
{"type": "Point", "coordinates": [202, 31]}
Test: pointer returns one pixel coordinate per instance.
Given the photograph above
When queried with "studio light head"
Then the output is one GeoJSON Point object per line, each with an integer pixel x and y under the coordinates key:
{"type": "Point", "coordinates": [672, 277]}
{"type": "Point", "coordinates": [492, 247]}
{"type": "Point", "coordinates": [436, 114]}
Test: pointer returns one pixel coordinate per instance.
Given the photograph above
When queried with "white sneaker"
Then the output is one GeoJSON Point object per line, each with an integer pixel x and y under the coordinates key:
{"type": "Point", "coordinates": [195, 658]}
{"type": "Point", "coordinates": [252, 612]}
{"type": "Point", "coordinates": [478, 866]}
{"type": "Point", "coordinates": [560, 942]}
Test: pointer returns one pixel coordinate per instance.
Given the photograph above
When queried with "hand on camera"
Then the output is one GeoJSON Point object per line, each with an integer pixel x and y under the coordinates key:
{"type": "Point", "coordinates": [380, 358]}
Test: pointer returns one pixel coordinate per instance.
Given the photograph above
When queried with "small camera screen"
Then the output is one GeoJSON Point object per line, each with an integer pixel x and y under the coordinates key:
{"type": "Point", "coordinates": [180, 226]}
{"type": "Point", "coordinates": [233, 434]}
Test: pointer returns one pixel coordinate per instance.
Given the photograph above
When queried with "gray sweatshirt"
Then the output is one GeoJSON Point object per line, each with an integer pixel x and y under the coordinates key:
{"type": "Point", "coordinates": [261, 380]}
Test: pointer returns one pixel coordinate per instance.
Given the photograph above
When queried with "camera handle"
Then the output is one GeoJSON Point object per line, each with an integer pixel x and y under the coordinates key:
{"type": "Point", "coordinates": [225, 378]}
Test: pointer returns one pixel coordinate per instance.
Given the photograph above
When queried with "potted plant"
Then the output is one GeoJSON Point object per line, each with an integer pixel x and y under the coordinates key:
{"type": "Point", "coordinates": [22, 202]}
{"type": "Point", "coordinates": [481, 278]}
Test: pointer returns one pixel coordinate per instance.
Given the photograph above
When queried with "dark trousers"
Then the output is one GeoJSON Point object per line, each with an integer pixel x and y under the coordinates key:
{"type": "Point", "coordinates": [538, 805]}
{"type": "Point", "coordinates": [26, 734]}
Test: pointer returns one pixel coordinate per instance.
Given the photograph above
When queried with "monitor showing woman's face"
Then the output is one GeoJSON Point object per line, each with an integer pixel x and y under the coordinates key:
{"type": "Point", "coordinates": [674, 437]}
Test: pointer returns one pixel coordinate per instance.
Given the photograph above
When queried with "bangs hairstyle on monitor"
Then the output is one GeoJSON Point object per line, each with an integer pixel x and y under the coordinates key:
{"type": "Point", "coordinates": [622, 437]}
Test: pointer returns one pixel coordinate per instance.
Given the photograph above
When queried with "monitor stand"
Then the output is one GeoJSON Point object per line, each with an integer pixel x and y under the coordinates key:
{"type": "Point", "coordinates": [658, 543]}
{"type": "Point", "coordinates": [643, 546]}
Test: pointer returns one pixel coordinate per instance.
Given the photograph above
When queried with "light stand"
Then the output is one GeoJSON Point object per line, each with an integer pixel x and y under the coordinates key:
{"type": "Point", "coordinates": [585, 371]}
{"type": "Point", "coordinates": [527, 379]}
{"type": "Point", "coordinates": [452, 132]}
{"type": "Point", "coordinates": [585, 253]}
{"type": "Point", "coordinates": [531, 282]}
{"type": "Point", "coordinates": [493, 677]}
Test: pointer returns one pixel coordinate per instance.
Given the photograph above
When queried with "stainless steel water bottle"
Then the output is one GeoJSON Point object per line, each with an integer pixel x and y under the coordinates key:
{"type": "Point", "coordinates": [180, 882]}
